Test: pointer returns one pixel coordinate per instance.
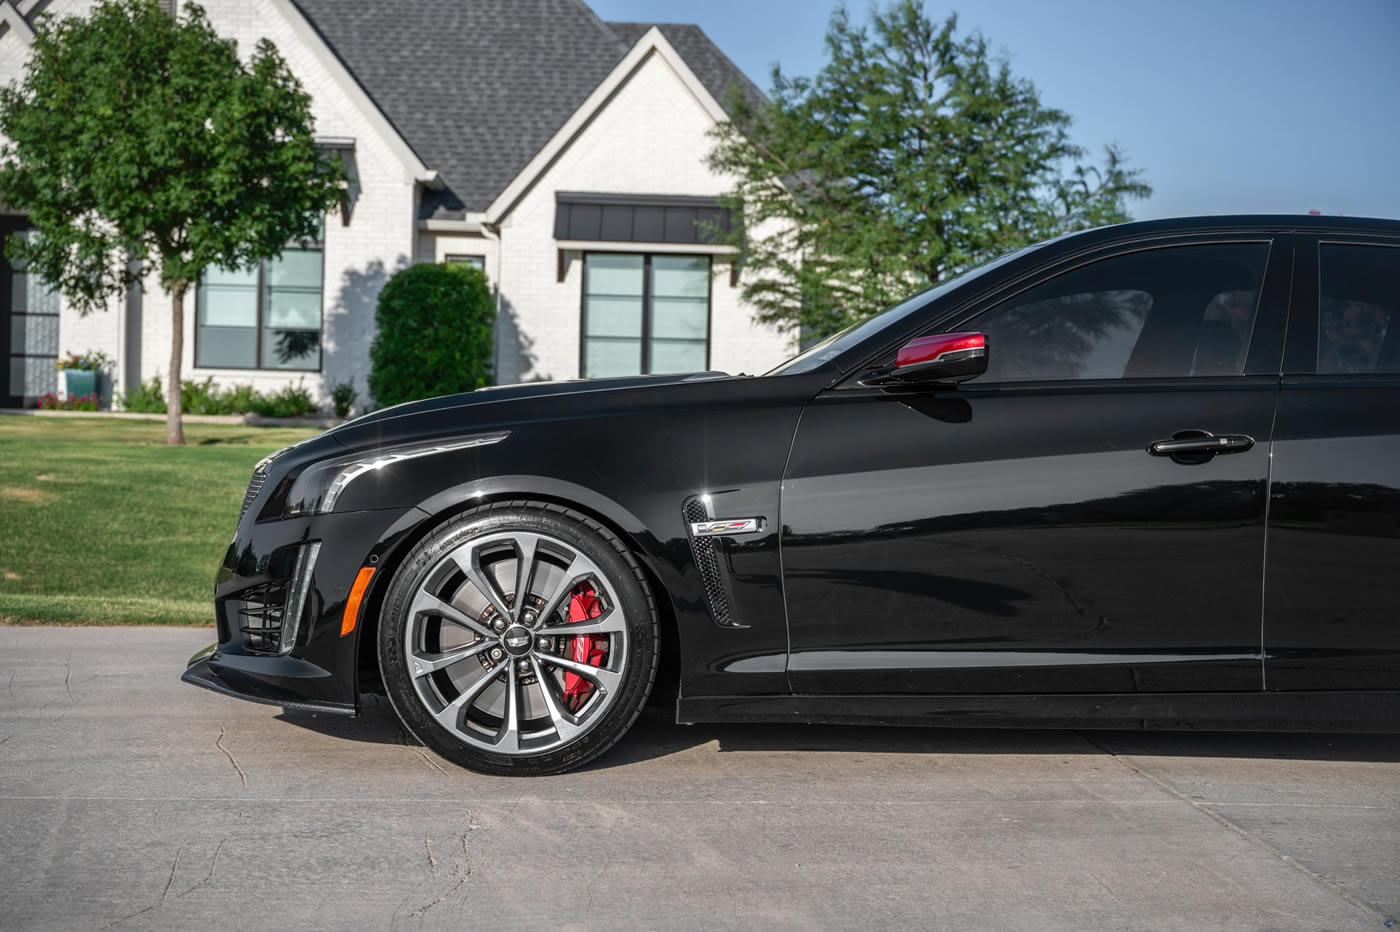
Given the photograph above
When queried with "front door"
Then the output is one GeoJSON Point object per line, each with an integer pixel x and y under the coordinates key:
{"type": "Point", "coordinates": [28, 330]}
{"type": "Point", "coordinates": [1016, 535]}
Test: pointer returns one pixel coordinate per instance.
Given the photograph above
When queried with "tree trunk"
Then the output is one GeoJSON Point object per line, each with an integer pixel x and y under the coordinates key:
{"type": "Point", "coordinates": [174, 423]}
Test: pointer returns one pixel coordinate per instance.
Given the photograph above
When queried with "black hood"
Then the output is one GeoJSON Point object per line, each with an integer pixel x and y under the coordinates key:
{"type": "Point", "coordinates": [353, 433]}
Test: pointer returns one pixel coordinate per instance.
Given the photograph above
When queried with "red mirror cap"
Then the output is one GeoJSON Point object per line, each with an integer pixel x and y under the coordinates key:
{"type": "Point", "coordinates": [928, 349]}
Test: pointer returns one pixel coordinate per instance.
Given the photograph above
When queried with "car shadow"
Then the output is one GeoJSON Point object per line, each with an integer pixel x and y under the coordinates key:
{"type": "Point", "coordinates": [655, 735]}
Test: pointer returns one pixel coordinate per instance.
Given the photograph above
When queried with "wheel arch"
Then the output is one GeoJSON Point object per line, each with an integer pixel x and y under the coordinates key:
{"type": "Point", "coordinates": [639, 541]}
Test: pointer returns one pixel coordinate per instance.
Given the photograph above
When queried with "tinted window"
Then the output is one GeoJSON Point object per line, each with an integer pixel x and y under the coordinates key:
{"type": "Point", "coordinates": [1359, 310]}
{"type": "Point", "coordinates": [1182, 311]}
{"type": "Point", "coordinates": [828, 349]}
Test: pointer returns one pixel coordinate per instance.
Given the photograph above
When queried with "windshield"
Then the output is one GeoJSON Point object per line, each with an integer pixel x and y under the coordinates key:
{"type": "Point", "coordinates": [815, 356]}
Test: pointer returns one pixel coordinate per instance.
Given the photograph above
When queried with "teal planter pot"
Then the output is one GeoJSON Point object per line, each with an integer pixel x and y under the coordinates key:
{"type": "Point", "coordinates": [80, 382]}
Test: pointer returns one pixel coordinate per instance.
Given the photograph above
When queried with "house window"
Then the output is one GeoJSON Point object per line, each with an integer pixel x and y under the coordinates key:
{"type": "Point", "coordinates": [267, 317]}
{"type": "Point", "coordinates": [476, 262]}
{"type": "Point", "coordinates": [645, 314]}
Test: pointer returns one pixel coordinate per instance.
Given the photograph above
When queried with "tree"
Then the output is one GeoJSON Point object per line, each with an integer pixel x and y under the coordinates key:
{"type": "Point", "coordinates": [134, 135]}
{"type": "Point", "coordinates": [435, 333]}
{"type": "Point", "coordinates": [913, 155]}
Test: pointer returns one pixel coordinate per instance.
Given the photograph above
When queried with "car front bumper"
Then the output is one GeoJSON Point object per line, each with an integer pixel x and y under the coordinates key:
{"type": "Point", "coordinates": [262, 584]}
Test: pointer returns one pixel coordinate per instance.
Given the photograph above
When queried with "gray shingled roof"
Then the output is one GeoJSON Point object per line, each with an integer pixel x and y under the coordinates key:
{"type": "Point", "coordinates": [477, 87]}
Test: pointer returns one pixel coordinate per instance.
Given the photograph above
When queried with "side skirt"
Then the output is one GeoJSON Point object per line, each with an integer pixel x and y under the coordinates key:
{"type": "Point", "coordinates": [1253, 711]}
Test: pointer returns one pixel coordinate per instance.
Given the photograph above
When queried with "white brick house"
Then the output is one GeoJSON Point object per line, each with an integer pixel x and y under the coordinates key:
{"type": "Point", "coordinates": [563, 154]}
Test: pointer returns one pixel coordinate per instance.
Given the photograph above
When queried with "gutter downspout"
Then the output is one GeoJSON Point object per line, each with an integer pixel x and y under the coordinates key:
{"type": "Point", "coordinates": [493, 231]}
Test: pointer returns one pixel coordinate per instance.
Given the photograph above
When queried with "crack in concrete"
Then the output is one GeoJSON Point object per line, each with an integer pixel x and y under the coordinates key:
{"type": "Point", "coordinates": [68, 675]}
{"type": "Point", "coordinates": [159, 904]}
{"type": "Point", "coordinates": [220, 745]}
{"type": "Point", "coordinates": [465, 868]}
{"type": "Point", "coordinates": [432, 861]}
{"type": "Point", "coordinates": [213, 866]}
{"type": "Point", "coordinates": [1207, 810]}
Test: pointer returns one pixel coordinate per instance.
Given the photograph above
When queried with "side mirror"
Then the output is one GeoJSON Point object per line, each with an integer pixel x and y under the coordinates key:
{"type": "Point", "coordinates": [941, 357]}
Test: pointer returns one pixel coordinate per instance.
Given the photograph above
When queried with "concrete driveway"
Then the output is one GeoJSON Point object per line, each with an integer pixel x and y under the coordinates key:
{"type": "Point", "coordinates": [129, 800]}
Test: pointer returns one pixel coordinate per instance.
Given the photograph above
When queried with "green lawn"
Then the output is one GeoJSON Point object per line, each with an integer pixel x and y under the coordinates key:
{"type": "Point", "coordinates": [101, 522]}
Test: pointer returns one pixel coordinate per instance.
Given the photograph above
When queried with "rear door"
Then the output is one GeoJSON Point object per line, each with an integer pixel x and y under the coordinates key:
{"type": "Point", "coordinates": [1332, 613]}
{"type": "Point", "coordinates": [1015, 535]}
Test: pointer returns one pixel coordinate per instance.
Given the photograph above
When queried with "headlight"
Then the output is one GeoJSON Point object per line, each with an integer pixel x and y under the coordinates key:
{"type": "Point", "coordinates": [320, 485]}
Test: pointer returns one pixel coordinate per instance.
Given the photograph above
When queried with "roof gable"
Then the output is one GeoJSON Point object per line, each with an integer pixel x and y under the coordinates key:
{"type": "Point", "coordinates": [714, 68]}
{"type": "Point", "coordinates": [474, 87]}
{"type": "Point", "coordinates": [478, 88]}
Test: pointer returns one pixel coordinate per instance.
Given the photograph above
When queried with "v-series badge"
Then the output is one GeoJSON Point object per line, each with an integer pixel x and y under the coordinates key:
{"type": "Point", "coordinates": [725, 527]}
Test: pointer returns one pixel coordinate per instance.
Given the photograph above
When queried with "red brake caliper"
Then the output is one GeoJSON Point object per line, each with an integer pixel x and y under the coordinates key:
{"type": "Point", "coordinates": [586, 648]}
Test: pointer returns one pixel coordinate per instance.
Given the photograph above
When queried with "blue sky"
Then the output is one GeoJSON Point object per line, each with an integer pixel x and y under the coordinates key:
{"type": "Point", "coordinates": [1230, 106]}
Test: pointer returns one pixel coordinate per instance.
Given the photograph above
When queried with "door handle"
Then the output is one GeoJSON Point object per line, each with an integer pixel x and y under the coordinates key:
{"type": "Point", "coordinates": [1200, 444]}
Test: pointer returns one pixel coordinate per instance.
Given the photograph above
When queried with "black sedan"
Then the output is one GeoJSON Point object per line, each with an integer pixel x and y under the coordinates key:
{"type": "Point", "coordinates": [1143, 476]}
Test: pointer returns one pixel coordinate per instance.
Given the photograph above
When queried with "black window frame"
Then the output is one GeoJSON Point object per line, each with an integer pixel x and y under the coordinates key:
{"type": "Point", "coordinates": [305, 245]}
{"type": "Point", "coordinates": [646, 305]}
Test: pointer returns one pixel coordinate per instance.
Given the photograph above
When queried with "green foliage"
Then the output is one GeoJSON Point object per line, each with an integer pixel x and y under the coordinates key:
{"type": "Point", "coordinates": [288, 401]}
{"type": "Point", "coordinates": [135, 134]}
{"type": "Point", "coordinates": [148, 399]}
{"type": "Point", "coordinates": [913, 155]}
{"type": "Point", "coordinates": [435, 333]}
{"type": "Point", "coordinates": [202, 398]}
{"type": "Point", "coordinates": [206, 398]}
{"type": "Point", "coordinates": [343, 398]}
{"type": "Point", "coordinates": [240, 399]}
{"type": "Point", "coordinates": [152, 127]}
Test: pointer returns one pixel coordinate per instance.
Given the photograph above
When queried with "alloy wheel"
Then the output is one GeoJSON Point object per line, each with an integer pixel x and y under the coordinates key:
{"type": "Point", "coordinates": [516, 642]}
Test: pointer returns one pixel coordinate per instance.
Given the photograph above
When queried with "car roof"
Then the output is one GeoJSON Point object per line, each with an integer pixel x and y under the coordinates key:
{"type": "Point", "coordinates": [1277, 223]}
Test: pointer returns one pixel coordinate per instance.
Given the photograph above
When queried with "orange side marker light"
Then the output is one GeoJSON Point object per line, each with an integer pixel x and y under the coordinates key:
{"type": "Point", "coordinates": [352, 604]}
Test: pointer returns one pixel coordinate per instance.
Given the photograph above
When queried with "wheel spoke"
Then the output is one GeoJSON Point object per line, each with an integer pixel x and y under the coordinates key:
{"type": "Point", "coordinates": [525, 547]}
{"type": "Point", "coordinates": [427, 602]}
{"type": "Point", "coordinates": [423, 664]}
{"type": "Point", "coordinates": [605, 680]}
{"type": "Point", "coordinates": [565, 725]}
{"type": "Point", "coordinates": [508, 737]}
{"type": "Point", "coordinates": [580, 569]}
{"type": "Point", "coordinates": [450, 714]}
{"type": "Point", "coordinates": [482, 580]}
{"type": "Point", "coordinates": [612, 621]}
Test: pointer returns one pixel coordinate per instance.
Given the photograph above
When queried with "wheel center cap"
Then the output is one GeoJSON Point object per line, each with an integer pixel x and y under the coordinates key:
{"type": "Point", "coordinates": [517, 640]}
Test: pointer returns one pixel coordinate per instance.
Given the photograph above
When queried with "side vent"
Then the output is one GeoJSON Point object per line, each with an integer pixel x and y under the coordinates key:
{"type": "Point", "coordinates": [254, 487]}
{"type": "Point", "coordinates": [707, 561]}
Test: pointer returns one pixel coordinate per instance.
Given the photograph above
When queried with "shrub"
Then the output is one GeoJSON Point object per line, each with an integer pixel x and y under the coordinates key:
{"type": "Point", "coordinates": [241, 399]}
{"type": "Point", "coordinates": [148, 399]}
{"type": "Point", "coordinates": [288, 401]}
{"type": "Point", "coordinates": [203, 398]}
{"type": "Point", "coordinates": [343, 397]}
{"type": "Point", "coordinates": [435, 324]}
{"type": "Point", "coordinates": [51, 402]}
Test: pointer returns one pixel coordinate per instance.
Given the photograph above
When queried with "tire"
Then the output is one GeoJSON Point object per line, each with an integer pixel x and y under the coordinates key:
{"type": "Point", "coordinates": [459, 668]}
